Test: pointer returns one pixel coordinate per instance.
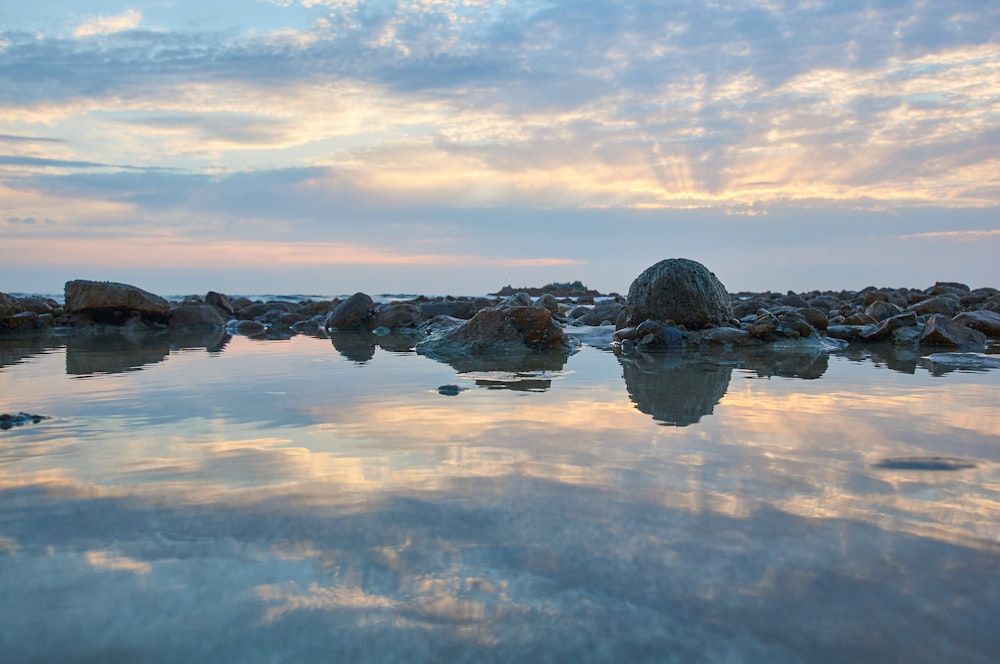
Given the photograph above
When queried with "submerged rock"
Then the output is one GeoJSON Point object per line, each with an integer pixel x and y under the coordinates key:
{"type": "Point", "coordinates": [8, 421]}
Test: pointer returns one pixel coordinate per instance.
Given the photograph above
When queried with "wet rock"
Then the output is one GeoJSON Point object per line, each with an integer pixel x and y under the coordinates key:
{"type": "Point", "coordinates": [23, 322]}
{"type": "Point", "coordinates": [679, 290]}
{"type": "Point", "coordinates": [247, 328]}
{"type": "Point", "coordinates": [397, 315]}
{"type": "Point", "coordinates": [987, 322]}
{"type": "Point", "coordinates": [9, 421]}
{"type": "Point", "coordinates": [947, 304]}
{"type": "Point", "coordinates": [196, 316]}
{"type": "Point", "coordinates": [792, 324]}
{"type": "Point", "coordinates": [222, 303]}
{"type": "Point", "coordinates": [846, 332]}
{"type": "Point", "coordinates": [792, 299]}
{"type": "Point", "coordinates": [499, 331]}
{"type": "Point", "coordinates": [106, 302]}
{"type": "Point", "coordinates": [727, 336]}
{"type": "Point", "coordinates": [940, 330]}
{"type": "Point", "coordinates": [859, 319]}
{"type": "Point", "coordinates": [9, 306]}
{"type": "Point", "coordinates": [881, 310]}
{"type": "Point", "coordinates": [651, 334]}
{"type": "Point", "coordinates": [605, 311]}
{"type": "Point", "coordinates": [884, 330]}
{"type": "Point", "coordinates": [764, 325]}
{"type": "Point", "coordinates": [940, 363]}
{"type": "Point", "coordinates": [815, 317]}
{"type": "Point", "coordinates": [352, 314]}
{"type": "Point", "coordinates": [547, 301]}
{"type": "Point", "coordinates": [451, 390]}
{"type": "Point", "coordinates": [464, 309]}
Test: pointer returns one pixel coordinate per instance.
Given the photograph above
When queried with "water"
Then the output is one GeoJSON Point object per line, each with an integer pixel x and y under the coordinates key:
{"type": "Point", "coordinates": [211, 499]}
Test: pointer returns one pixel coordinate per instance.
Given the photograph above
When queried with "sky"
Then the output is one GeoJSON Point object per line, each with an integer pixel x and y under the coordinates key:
{"type": "Point", "coordinates": [457, 146]}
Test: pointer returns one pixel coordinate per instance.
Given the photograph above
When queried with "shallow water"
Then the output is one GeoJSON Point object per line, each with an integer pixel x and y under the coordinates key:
{"type": "Point", "coordinates": [213, 499]}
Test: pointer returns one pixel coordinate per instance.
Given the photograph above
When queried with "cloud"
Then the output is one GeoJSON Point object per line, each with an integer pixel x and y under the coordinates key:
{"type": "Point", "coordinates": [961, 236]}
{"type": "Point", "coordinates": [108, 25]}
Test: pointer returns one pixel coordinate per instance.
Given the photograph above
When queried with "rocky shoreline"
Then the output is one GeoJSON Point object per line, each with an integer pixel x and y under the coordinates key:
{"type": "Point", "coordinates": [676, 303]}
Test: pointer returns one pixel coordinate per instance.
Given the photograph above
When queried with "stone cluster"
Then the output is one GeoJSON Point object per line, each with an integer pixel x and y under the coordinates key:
{"type": "Point", "coordinates": [675, 303]}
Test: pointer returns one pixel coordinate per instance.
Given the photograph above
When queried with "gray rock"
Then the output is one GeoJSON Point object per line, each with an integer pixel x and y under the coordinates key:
{"type": "Point", "coordinates": [196, 316]}
{"type": "Point", "coordinates": [397, 315]}
{"type": "Point", "coordinates": [9, 305]}
{"type": "Point", "coordinates": [946, 304]}
{"type": "Point", "coordinates": [464, 309]}
{"type": "Point", "coordinates": [987, 322]}
{"type": "Point", "coordinates": [884, 330]}
{"type": "Point", "coordinates": [651, 334]}
{"type": "Point", "coordinates": [222, 303]}
{"type": "Point", "coordinates": [607, 310]}
{"type": "Point", "coordinates": [679, 290]}
{"type": "Point", "coordinates": [881, 310]}
{"type": "Point", "coordinates": [352, 314]}
{"type": "Point", "coordinates": [547, 301]}
{"type": "Point", "coordinates": [940, 330]}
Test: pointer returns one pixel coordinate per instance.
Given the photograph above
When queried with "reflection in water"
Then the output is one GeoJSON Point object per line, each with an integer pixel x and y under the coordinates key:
{"type": "Point", "coordinates": [357, 347]}
{"type": "Point", "coordinates": [676, 388]}
{"type": "Point", "coordinates": [290, 505]}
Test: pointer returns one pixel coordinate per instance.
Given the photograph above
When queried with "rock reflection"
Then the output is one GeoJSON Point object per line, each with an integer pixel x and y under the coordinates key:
{"type": "Point", "coordinates": [512, 363]}
{"type": "Point", "coordinates": [15, 347]}
{"type": "Point", "coordinates": [675, 388]}
{"type": "Point", "coordinates": [358, 347]}
{"type": "Point", "coordinates": [103, 353]}
{"type": "Point", "coordinates": [116, 352]}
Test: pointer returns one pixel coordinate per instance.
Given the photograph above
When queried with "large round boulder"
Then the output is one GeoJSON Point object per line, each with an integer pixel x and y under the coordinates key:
{"type": "Point", "coordinates": [679, 290]}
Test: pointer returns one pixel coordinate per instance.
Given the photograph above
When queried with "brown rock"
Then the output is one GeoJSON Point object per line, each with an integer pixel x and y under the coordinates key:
{"type": "Point", "coordinates": [106, 301]}
{"type": "Point", "coordinates": [398, 315]}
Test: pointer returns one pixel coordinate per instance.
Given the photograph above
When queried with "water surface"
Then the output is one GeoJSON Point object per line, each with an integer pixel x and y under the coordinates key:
{"type": "Point", "coordinates": [203, 498]}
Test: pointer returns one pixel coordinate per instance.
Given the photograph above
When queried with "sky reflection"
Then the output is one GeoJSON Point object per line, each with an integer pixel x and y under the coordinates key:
{"type": "Point", "coordinates": [634, 506]}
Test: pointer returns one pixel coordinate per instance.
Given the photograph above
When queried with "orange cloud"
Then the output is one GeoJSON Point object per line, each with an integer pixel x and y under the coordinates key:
{"type": "Point", "coordinates": [137, 252]}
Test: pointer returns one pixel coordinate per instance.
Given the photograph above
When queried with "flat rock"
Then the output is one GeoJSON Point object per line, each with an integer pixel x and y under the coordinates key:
{"type": "Point", "coordinates": [940, 330]}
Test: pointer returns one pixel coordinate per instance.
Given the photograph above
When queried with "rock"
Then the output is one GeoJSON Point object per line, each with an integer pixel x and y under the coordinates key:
{"type": "Point", "coordinates": [791, 324]}
{"type": "Point", "coordinates": [9, 306]}
{"type": "Point", "coordinates": [943, 362]}
{"type": "Point", "coordinates": [196, 316]}
{"type": "Point", "coordinates": [498, 331]}
{"type": "Point", "coordinates": [728, 336]}
{"type": "Point", "coordinates": [547, 301]}
{"type": "Point", "coordinates": [450, 390]}
{"type": "Point", "coordinates": [651, 334]}
{"type": "Point", "coordinates": [520, 299]}
{"type": "Point", "coordinates": [792, 299]}
{"type": "Point", "coordinates": [8, 421]}
{"type": "Point", "coordinates": [679, 290]}
{"type": "Point", "coordinates": [352, 314]}
{"type": "Point", "coordinates": [940, 330]}
{"type": "Point", "coordinates": [987, 322]}
{"type": "Point", "coordinates": [249, 328]}
{"type": "Point", "coordinates": [947, 304]}
{"type": "Point", "coordinates": [882, 309]}
{"type": "Point", "coordinates": [764, 325]}
{"type": "Point", "coordinates": [815, 317]}
{"type": "Point", "coordinates": [464, 309]}
{"type": "Point", "coordinates": [605, 311]}
{"type": "Point", "coordinates": [22, 322]}
{"type": "Point", "coordinates": [950, 287]}
{"type": "Point", "coordinates": [398, 315]}
{"type": "Point", "coordinates": [222, 303]}
{"type": "Point", "coordinates": [846, 332]}
{"type": "Point", "coordinates": [113, 303]}
{"type": "Point", "coordinates": [884, 330]}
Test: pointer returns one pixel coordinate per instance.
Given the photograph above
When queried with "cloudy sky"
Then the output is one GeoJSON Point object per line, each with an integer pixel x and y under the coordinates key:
{"type": "Point", "coordinates": [455, 146]}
